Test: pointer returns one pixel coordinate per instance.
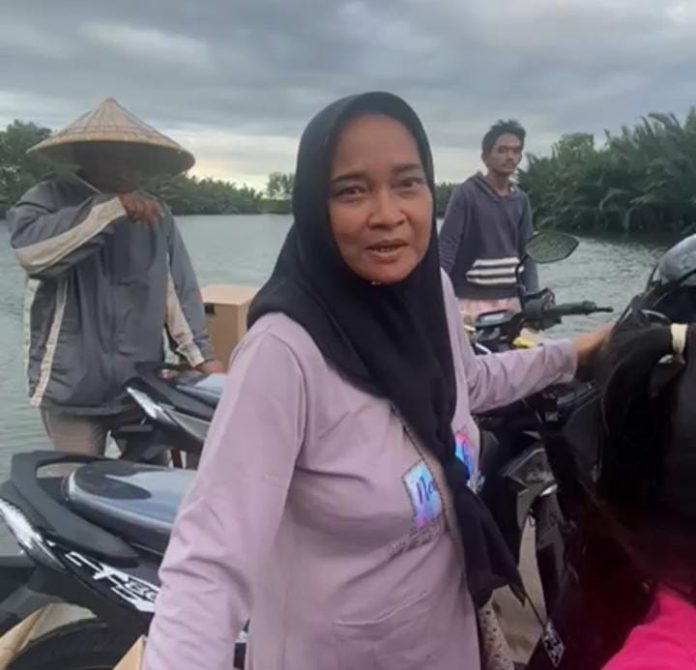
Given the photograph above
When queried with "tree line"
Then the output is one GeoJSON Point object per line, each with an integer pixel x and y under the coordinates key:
{"type": "Point", "coordinates": [642, 179]}
{"type": "Point", "coordinates": [184, 194]}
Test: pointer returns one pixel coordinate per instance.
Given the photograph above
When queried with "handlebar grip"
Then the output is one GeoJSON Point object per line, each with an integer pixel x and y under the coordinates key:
{"type": "Point", "coordinates": [583, 308]}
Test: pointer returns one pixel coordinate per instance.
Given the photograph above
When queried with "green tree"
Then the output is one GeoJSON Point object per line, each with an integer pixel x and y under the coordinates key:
{"type": "Point", "coordinates": [443, 192]}
{"type": "Point", "coordinates": [18, 172]}
{"type": "Point", "coordinates": [643, 179]}
{"type": "Point", "coordinates": [190, 195]}
{"type": "Point", "coordinates": [280, 185]}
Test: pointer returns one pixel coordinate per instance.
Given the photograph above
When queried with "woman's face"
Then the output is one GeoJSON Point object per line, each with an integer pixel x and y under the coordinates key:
{"type": "Point", "coordinates": [380, 206]}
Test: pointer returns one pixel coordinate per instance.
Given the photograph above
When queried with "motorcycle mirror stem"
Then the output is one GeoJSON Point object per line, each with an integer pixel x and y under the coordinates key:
{"type": "Point", "coordinates": [519, 284]}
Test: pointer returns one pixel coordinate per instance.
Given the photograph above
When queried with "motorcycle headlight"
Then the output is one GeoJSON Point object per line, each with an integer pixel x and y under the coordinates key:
{"type": "Point", "coordinates": [28, 538]}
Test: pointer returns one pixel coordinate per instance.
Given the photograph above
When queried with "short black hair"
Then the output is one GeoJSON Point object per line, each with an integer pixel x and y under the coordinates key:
{"type": "Point", "coordinates": [509, 127]}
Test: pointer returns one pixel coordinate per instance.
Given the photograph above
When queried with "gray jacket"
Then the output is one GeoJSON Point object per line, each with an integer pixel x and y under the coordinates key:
{"type": "Point", "coordinates": [482, 240]}
{"type": "Point", "coordinates": [101, 292]}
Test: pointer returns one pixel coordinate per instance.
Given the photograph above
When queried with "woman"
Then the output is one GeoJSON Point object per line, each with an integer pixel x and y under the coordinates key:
{"type": "Point", "coordinates": [645, 498]}
{"type": "Point", "coordinates": [318, 508]}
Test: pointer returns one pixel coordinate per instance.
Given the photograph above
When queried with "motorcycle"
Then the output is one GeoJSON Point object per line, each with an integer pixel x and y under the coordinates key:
{"type": "Point", "coordinates": [583, 631]}
{"type": "Point", "coordinates": [518, 482]}
{"type": "Point", "coordinates": [176, 407]}
{"type": "Point", "coordinates": [93, 538]}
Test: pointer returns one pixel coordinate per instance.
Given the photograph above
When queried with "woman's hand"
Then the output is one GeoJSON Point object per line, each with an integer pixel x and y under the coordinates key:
{"type": "Point", "coordinates": [588, 344]}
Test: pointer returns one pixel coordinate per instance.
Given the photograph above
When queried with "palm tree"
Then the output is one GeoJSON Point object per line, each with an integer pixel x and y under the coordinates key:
{"type": "Point", "coordinates": [642, 179]}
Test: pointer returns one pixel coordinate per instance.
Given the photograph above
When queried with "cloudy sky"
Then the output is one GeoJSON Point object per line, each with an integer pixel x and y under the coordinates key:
{"type": "Point", "coordinates": [236, 81]}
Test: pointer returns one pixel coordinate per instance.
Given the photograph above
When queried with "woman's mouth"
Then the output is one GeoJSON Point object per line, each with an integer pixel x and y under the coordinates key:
{"type": "Point", "coordinates": [386, 252]}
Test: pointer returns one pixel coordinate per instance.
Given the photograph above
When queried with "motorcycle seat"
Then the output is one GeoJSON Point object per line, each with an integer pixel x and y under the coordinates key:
{"type": "Point", "coordinates": [134, 501]}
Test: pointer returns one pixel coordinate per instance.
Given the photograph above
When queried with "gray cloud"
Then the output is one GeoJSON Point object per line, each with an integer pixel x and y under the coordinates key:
{"type": "Point", "coordinates": [238, 80]}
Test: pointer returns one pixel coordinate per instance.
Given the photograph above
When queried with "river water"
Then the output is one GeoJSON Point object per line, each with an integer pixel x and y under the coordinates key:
{"type": "Point", "coordinates": [242, 249]}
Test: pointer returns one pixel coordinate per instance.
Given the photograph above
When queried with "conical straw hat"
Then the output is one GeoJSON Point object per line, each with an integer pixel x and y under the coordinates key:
{"type": "Point", "coordinates": [111, 124]}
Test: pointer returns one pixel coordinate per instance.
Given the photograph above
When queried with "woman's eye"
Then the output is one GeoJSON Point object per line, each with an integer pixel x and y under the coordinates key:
{"type": "Point", "coordinates": [411, 183]}
{"type": "Point", "coordinates": [348, 192]}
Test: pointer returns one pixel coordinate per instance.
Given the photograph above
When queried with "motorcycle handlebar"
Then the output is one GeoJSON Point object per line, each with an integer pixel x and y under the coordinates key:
{"type": "Point", "coordinates": [536, 313]}
{"type": "Point", "coordinates": [583, 308]}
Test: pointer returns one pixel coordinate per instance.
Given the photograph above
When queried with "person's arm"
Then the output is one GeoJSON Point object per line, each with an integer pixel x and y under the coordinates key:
{"type": "Point", "coordinates": [453, 226]}
{"type": "Point", "coordinates": [48, 239]}
{"type": "Point", "coordinates": [228, 520]}
{"type": "Point", "coordinates": [185, 310]}
{"type": "Point", "coordinates": [530, 276]}
{"type": "Point", "coordinates": [497, 380]}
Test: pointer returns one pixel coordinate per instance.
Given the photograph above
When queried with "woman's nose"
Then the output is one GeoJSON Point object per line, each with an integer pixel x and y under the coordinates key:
{"type": "Point", "coordinates": [386, 210]}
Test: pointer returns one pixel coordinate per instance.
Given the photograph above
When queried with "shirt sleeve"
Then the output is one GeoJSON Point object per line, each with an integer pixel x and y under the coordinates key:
{"type": "Point", "coordinates": [49, 239]}
{"type": "Point", "coordinates": [665, 640]}
{"type": "Point", "coordinates": [497, 380]}
{"type": "Point", "coordinates": [453, 227]}
{"type": "Point", "coordinates": [229, 518]}
{"type": "Point", "coordinates": [656, 649]}
{"type": "Point", "coordinates": [185, 311]}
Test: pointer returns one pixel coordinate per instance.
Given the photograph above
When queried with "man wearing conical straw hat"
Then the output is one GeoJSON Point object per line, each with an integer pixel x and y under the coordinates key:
{"type": "Point", "coordinates": [108, 273]}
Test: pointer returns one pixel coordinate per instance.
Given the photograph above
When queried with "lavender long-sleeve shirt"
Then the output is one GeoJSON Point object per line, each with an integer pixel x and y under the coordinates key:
{"type": "Point", "coordinates": [313, 515]}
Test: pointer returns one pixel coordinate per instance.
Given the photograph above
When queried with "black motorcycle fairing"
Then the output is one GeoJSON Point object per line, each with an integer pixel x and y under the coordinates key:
{"type": "Point", "coordinates": [206, 388]}
{"type": "Point", "coordinates": [137, 502]}
{"type": "Point", "coordinates": [46, 512]}
{"type": "Point", "coordinates": [166, 382]}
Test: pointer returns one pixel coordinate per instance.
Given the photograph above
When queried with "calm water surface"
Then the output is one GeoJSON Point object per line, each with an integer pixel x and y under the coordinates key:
{"type": "Point", "coordinates": [242, 249]}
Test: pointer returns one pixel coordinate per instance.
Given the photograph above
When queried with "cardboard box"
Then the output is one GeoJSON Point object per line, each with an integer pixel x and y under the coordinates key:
{"type": "Point", "coordinates": [39, 623]}
{"type": "Point", "coordinates": [226, 308]}
{"type": "Point", "coordinates": [134, 658]}
{"type": "Point", "coordinates": [12, 642]}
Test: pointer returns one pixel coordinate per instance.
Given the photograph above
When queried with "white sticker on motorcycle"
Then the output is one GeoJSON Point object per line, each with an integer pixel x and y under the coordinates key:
{"type": "Point", "coordinates": [137, 592]}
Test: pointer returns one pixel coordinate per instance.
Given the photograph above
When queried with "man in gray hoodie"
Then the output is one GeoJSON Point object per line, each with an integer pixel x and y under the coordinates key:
{"type": "Point", "coordinates": [108, 274]}
{"type": "Point", "coordinates": [487, 222]}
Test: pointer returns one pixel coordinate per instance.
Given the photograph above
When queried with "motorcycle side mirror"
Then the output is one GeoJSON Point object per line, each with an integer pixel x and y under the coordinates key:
{"type": "Point", "coordinates": [550, 247]}
{"type": "Point", "coordinates": [547, 246]}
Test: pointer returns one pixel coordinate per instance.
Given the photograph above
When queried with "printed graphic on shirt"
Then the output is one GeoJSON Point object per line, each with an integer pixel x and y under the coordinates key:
{"type": "Point", "coordinates": [426, 503]}
{"type": "Point", "coordinates": [465, 451]}
{"type": "Point", "coordinates": [425, 498]}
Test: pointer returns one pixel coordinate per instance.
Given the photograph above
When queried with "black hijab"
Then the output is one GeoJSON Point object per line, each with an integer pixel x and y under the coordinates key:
{"type": "Point", "coordinates": [390, 340]}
